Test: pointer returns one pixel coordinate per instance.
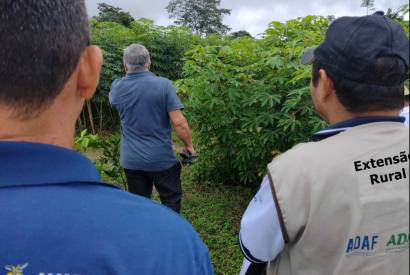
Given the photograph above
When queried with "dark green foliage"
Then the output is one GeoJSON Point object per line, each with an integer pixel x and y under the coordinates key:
{"type": "Point", "coordinates": [241, 34]}
{"type": "Point", "coordinates": [201, 16]}
{"type": "Point", "coordinates": [167, 46]}
{"type": "Point", "coordinates": [251, 99]}
{"type": "Point", "coordinates": [112, 39]}
{"type": "Point", "coordinates": [398, 14]}
{"type": "Point", "coordinates": [108, 13]}
{"type": "Point", "coordinates": [109, 162]}
{"type": "Point", "coordinates": [107, 150]}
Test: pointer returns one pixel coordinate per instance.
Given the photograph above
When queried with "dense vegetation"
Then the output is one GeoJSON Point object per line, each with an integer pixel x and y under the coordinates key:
{"type": "Point", "coordinates": [249, 99]}
{"type": "Point", "coordinates": [167, 46]}
{"type": "Point", "coordinates": [246, 99]}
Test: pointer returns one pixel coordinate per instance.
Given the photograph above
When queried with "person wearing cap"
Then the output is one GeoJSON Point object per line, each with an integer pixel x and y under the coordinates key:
{"type": "Point", "coordinates": [405, 110]}
{"type": "Point", "coordinates": [340, 204]}
{"type": "Point", "coordinates": [57, 216]}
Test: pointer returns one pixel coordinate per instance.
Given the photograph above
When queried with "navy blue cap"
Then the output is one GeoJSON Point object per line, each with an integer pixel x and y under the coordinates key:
{"type": "Point", "coordinates": [353, 44]}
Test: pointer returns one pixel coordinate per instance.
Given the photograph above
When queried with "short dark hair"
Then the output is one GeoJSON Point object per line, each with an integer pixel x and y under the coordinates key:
{"type": "Point", "coordinates": [364, 97]}
{"type": "Point", "coordinates": [41, 42]}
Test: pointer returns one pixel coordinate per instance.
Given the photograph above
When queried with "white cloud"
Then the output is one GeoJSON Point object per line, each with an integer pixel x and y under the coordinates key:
{"type": "Point", "coordinates": [246, 19]}
{"type": "Point", "coordinates": [251, 15]}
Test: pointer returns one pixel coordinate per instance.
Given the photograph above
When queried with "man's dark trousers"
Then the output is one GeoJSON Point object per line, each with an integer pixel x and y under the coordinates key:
{"type": "Point", "coordinates": [167, 183]}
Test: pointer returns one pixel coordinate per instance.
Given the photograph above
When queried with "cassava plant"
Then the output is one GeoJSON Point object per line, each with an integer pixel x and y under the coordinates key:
{"type": "Point", "coordinates": [249, 99]}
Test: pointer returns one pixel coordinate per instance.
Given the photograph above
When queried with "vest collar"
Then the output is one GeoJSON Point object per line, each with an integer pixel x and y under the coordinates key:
{"type": "Point", "coordinates": [339, 127]}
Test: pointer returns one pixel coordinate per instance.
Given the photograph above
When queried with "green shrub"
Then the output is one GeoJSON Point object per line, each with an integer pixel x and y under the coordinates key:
{"type": "Point", "coordinates": [108, 151]}
{"type": "Point", "coordinates": [85, 141]}
{"type": "Point", "coordinates": [249, 99]}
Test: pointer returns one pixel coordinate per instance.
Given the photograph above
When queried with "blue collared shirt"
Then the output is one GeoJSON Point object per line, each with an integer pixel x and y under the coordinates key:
{"type": "Point", "coordinates": [57, 217]}
{"type": "Point", "coordinates": [143, 101]}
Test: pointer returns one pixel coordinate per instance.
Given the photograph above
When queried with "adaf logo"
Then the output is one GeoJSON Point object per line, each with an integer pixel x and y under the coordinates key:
{"type": "Point", "coordinates": [16, 270]}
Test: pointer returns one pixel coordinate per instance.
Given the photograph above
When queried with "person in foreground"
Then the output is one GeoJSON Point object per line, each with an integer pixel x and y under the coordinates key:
{"type": "Point", "coordinates": [57, 217]}
{"type": "Point", "coordinates": [340, 204]}
{"type": "Point", "coordinates": [148, 105]}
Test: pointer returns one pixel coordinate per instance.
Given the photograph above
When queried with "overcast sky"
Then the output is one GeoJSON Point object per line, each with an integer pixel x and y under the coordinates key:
{"type": "Point", "coordinates": [251, 15]}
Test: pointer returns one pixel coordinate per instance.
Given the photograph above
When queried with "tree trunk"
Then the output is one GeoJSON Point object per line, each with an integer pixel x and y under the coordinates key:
{"type": "Point", "coordinates": [84, 118]}
{"type": "Point", "coordinates": [80, 124]}
{"type": "Point", "coordinates": [113, 119]}
{"type": "Point", "coordinates": [101, 117]}
{"type": "Point", "coordinates": [90, 116]}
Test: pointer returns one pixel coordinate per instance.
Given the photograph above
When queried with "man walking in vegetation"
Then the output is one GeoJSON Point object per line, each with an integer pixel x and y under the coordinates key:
{"type": "Point", "coordinates": [57, 217]}
{"type": "Point", "coordinates": [340, 204]}
{"type": "Point", "coordinates": [147, 106]}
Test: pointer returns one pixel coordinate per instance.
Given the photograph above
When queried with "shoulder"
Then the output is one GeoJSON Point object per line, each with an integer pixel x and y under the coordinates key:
{"type": "Point", "coordinates": [116, 85]}
{"type": "Point", "coordinates": [160, 82]}
{"type": "Point", "coordinates": [117, 81]}
{"type": "Point", "coordinates": [300, 153]}
{"type": "Point", "coordinates": [315, 152]}
{"type": "Point", "coordinates": [163, 81]}
{"type": "Point", "coordinates": [131, 234]}
{"type": "Point", "coordinates": [302, 161]}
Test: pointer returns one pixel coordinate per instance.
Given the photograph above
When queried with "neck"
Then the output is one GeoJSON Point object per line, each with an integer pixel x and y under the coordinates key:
{"type": "Point", "coordinates": [344, 115]}
{"type": "Point", "coordinates": [137, 71]}
{"type": "Point", "coordinates": [45, 128]}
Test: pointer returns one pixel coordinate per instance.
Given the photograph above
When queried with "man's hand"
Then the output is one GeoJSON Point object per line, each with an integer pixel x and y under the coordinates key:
{"type": "Point", "coordinates": [190, 150]}
{"type": "Point", "coordinates": [187, 158]}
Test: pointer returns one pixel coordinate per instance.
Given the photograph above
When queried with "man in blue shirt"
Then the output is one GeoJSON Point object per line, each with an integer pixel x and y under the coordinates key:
{"type": "Point", "coordinates": [57, 217]}
{"type": "Point", "coordinates": [147, 106]}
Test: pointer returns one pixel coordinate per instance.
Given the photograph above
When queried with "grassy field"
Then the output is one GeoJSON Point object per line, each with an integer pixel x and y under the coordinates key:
{"type": "Point", "coordinates": [215, 212]}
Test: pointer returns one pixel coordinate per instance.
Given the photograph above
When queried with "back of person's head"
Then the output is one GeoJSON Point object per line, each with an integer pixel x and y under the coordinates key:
{"type": "Point", "coordinates": [367, 59]}
{"type": "Point", "coordinates": [137, 58]}
{"type": "Point", "coordinates": [360, 97]}
{"type": "Point", "coordinates": [41, 42]}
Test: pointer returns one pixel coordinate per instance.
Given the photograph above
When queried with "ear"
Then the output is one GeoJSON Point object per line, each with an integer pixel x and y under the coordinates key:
{"type": "Point", "coordinates": [125, 67]}
{"type": "Point", "coordinates": [89, 69]}
{"type": "Point", "coordinates": [327, 90]}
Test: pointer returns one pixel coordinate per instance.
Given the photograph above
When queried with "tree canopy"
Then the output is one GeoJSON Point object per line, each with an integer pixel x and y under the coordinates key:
{"type": "Point", "coordinates": [201, 16]}
{"type": "Point", "coordinates": [241, 33]}
{"type": "Point", "coordinates": [399, 13]}
{"type": "Point", "coordinates": [108, 13]}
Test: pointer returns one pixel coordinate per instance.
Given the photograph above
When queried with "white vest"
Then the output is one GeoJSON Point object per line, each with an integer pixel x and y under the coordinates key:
{"type": "Point", "coordinates": [344, 203]}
